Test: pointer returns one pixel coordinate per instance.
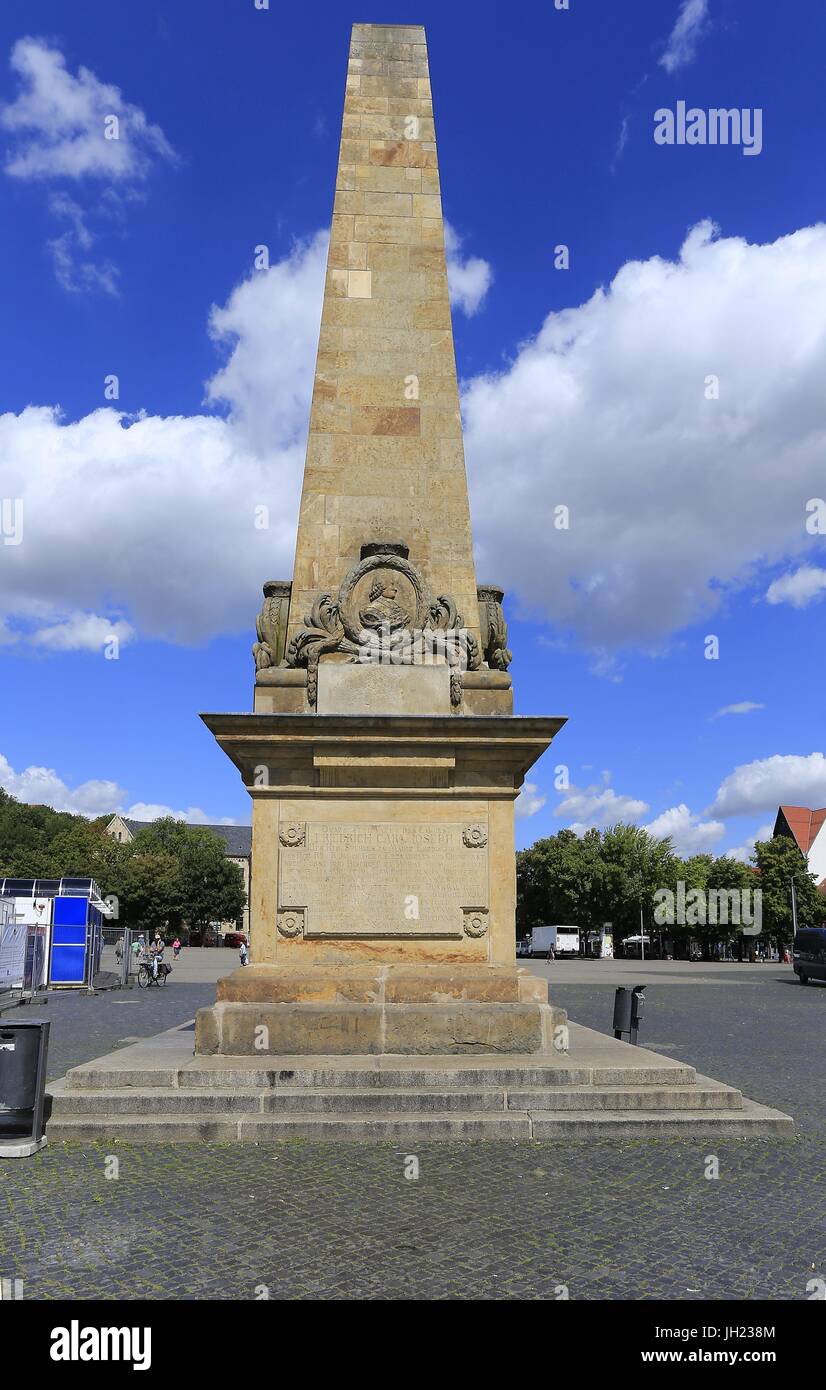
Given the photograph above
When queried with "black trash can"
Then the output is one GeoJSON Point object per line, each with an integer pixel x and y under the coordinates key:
{"type": "Point", "coordinates": [24, 1051]}
{"type": "Point", "coordinates": [622, 1012]}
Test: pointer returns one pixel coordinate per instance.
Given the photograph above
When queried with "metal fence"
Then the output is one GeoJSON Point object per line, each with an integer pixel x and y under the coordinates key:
{"type": "Point", "coordinates": [119, 954]}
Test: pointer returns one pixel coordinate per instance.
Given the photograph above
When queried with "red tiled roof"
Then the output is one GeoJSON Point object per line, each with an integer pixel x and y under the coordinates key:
{"type": "Point", "coordinates": [803, 823]}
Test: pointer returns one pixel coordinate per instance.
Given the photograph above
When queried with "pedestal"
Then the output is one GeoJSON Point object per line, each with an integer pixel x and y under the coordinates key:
{"type": "Point", "coordinates": [383, 887]}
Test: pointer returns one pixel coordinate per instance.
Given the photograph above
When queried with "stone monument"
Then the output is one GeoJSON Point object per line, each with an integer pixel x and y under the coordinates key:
{"type": "Point", "coordinates": [382, 756]}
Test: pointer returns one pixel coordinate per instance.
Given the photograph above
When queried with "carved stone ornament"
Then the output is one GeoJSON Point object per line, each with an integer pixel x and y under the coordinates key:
{"type": "Point", "coordinates": [493, 627]}
{"type": "Point", "coordinates": [293, 834]}
{"type": "Point", "coordinates": [291, 921]}
{"type": "Point", "coordinates": [475, 836]}
{"type": "Point", "coordinates": [384, 612]}
{"type": "Point", "coordinates": [271, 624]}
{"type": "Point", "coordinates": [475, 920]}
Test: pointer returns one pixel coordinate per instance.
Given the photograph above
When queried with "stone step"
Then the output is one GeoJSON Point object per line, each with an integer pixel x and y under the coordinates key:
{"type": "Point", "coordinates": [750, 1121]}
{"type": "Point", "coordinates": [705, 1095]}
{"type": "Point", "coordinates": [315, 1100]}
{"type": "Point", "coordinates": [452, 1073]}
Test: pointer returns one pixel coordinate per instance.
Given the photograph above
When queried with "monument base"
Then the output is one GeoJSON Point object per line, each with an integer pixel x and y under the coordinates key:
{"type": "Point", "coordinates": [372, 1009]}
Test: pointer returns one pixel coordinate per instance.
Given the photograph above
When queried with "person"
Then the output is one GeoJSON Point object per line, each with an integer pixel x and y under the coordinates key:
{"type": "Point", "coordinates": [156, 951]}
{"type": "Point", "coordinates": [119, 949]}
{"type": "Point", "coordinates": [243, 951]}
{"type": "Point", "coordinates": [176, 947]}
{"type": "Point", "coordinates": [137, 951]}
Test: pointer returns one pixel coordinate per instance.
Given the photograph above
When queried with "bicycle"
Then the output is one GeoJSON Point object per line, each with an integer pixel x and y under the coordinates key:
{"type": "Point", "coordinates": [147, 976]}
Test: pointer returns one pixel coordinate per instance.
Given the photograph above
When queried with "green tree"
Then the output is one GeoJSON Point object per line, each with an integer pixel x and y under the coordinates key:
{"type": "Point", "coordinates": [636, 866]}
{"type": "Point", "coordinates": [729, 876]}
{"type": "Point", "coordinates": [212, 888]}
{"type": "Point", "coordinates": [149, 893]}
{"type": "Point", "coordinates": [559, 879]}
{"type": "Point", "coordinates": [778, 862]}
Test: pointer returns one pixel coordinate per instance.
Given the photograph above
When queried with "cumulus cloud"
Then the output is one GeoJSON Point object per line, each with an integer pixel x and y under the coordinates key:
{"type": "Point", "coordinates": [689, 28]}
{"type": "Point", "coordinates": [161, 511]}
{"type": "Point", "coordinates": [674, 500]}
{"type": "Point", "coordinates": [58, 122]}
{"type": "Point", "coordinates": [599, 806]}
{"type": "Point", "coordinates": [41, 786]}
{"type": "Point", "coordinates": [799, 588]}
{"type": "Point", "coordinates": [688, 832]}
{"type": "Point", "coordinates": [674, 497]}
{"type": "Point", "coordinates": [742, 707]}
{"type": "Point", "coordinates": [269, 328]}
{"type": "Point", "coordinates": [529, 801]}
{"type": "Point", "coordinates": [763, 785]}
{"type": "Point", "coordinates": [468, 279]}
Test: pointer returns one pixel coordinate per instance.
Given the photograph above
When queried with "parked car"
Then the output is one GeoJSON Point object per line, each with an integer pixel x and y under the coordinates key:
{"type": "Point", "coordinates": [809, 954]}
{"type": "Point", "coordinates": [234, 938]}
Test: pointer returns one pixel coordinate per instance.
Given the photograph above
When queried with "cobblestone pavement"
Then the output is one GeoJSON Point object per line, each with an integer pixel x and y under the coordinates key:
{"type": "Point", "coordinates": [621, 1219]}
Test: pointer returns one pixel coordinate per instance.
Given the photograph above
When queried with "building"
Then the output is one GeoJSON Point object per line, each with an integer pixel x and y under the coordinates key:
{"type": "Point", "coordinates": [808, 830]}
{"type": "Point", "coordinates": [237, 841]}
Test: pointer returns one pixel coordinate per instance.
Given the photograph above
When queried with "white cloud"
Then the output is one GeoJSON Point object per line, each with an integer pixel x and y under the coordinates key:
{"type": "Point", "coordinates": [799, 588]}
{"type": "Point", "coordinates": [81, 632]}
{"type": "Point", "coordinates": [529, 801]}
{"type": "Point", "coordinates": [41, 786]}
{"type": "Point", "coordinates": [743, 852]}
{"type": "Point", "coordinates": [690, 26]}
{"type": "Point", "coordinates": [145, 810]}
{"type": "Point", "coordinates": [270, 327]}
{"type": "Point", "coordinates": [74, 269]}
{"type": "Point", "coordinates": [70, 130]}
{"type": "Point", "coordinates": [689, 833]}
{"type": "Point", "coordinates": [742, 707]}
{"type": "Point", "coordinates": [599, 806]}
{"type": "Point", "coordinates": [763, 785]}
{"type": "Point", "coordinates": [674, 499]}
{"type": "Point", "coordinates": [58, 122]}
{"type": "Point", "coordinates": [160, 511]}
{"type": "Point", "coordinates": [468, 280]}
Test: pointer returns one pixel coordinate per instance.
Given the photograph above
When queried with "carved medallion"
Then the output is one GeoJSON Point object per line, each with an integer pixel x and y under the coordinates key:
{"type": "Point", "coordinates": [384, 610]}
{"type": "Point", "coordinates": [475, 836]}
{"type": "Point", "coordinates": [382, 592]}
{"type": "Point", "coordinates": [292, 834]}
{"type": "Point", "coordinates": [475, 920]}
{"type": "Point", "coordinates": [291, 922]}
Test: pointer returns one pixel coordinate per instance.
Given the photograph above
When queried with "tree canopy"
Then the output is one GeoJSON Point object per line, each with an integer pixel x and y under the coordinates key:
{"type": "Point", "coordinates": [172, 874]}
{"type": "Point", "coordinates": [617, 875]}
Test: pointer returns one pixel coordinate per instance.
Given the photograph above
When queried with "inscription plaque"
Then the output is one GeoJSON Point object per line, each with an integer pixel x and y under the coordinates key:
{"type": "Point", "coordinates": [383, 879]}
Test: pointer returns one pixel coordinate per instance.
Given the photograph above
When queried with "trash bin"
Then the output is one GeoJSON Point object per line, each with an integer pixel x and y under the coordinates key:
{"type": "Point", "coordinates": [628, 1007]}
{"type": "Point", "coordinates": [24, 1050]}
{"type": "Point", "coordinates": [622, 1012]}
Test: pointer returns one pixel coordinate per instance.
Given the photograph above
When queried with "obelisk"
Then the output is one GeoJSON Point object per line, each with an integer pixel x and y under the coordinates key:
{"type": "Point", "coordinates": [385, 456]}
{"type": "Point", "coordinates": [382, 757]}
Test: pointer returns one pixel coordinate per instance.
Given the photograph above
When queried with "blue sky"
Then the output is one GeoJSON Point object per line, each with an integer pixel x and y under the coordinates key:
{"type": "Point", "coordinates": [687, 511]}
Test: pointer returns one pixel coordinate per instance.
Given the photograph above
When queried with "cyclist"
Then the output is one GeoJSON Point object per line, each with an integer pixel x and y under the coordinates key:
{"type": "Point", "coordinates": [156, 951]}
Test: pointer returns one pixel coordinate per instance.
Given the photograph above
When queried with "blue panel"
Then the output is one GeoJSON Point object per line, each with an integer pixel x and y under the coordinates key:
{"type": "Point", "coordinates": [70, 910]}
{"type": "Point", "coordinates": [69, 936]}
{"type": "Point", "coordinates": [68, 964]}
